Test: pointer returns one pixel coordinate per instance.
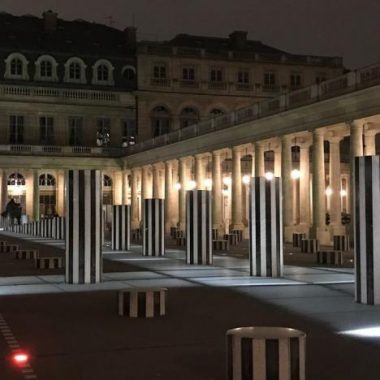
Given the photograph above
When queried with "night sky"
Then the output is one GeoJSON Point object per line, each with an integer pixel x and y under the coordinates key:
{"type": "Point", "coordinates": [348, 28]}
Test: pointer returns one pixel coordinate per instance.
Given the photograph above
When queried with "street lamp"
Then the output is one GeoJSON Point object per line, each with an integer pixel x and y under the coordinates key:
{"type": "Point", "coordinates": [295, 174]}
{"type": "Point", "coordinates": [269, 176]}
{"type": "Point", "coordinates": [246, 179]}
{"type": "Point", "coordinates": [328, 191]}
{"type": "Point", "coordinates": [102, 138]}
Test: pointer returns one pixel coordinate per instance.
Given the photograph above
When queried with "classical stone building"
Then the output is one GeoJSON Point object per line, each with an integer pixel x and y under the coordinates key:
{"type": "Point", "coordinates": [193, 78]}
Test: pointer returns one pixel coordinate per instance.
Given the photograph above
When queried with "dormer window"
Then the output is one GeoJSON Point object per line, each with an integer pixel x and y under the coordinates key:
{"type": "Point", "coordinates": [75, 70]}
{"type": "Point", "coordinates": [16, 67]}
{"type": "Point", "coordinates": [46, 69]}
{"type": "Point", "coordinates": [103, 73]}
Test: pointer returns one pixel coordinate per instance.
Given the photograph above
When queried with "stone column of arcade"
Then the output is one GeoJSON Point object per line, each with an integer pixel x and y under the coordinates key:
{"type": "Point", "coordinates": [157, 188]}
{"type": "Point", "coordinates": [36, 196]}
{"type": "Point", "coordinates": [170, 194]}
{"type": "Point", "coordinates": [183, 178]}
{"type": "Point", "coordinates": [370, 143]}
{"type": "Point", "coordinates": [259, 160]}
{"type": "Point", "coordinates": [217, 199]}
{"type": "Point", "coordinates": [335, 185]}
{"type": "Point", "coordinates": [83, 226]}
{"type": "Point", "coordinates": [200, 171]}
{"type": "Point", "coordinates": [237, 212]}
{"type": "Point", "coordinates": [287, 187]}
{"type": "Point", "coordinates": [4, 190]}
{"type": "Point", "coordinates": [319, 229]}
{"type": "Point", "coordinates": [135, 223]}
{"type": "Point", "coordinates": [304, 225]}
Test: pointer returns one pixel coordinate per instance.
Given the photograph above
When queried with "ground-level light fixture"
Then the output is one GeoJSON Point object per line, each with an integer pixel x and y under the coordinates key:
{"type": "Point", "coordinates": [246, 179]}
{"type": "Point", "coordinates": [295, 174]}
{"type": "Point", "coordinates": [328, 191]}
{"type": "Point", "coordinates": [20, 358]}
{"type": "Point", "coordinates": [343, 193]}
{"type": "Point", "coordinates": [269, 176]}
{"type": "Point", "coordinates": [192, 185]}
{"type": "Point", "coordinates": [227, 181]}
{"type": "Point", "coordinates": [208, 183]}
{"type": "Point", "coordinates": [177, 186]}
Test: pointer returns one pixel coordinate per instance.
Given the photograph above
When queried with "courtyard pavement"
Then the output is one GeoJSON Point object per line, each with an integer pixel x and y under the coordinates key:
{"type": "Point", "coordinates": [73, 331]}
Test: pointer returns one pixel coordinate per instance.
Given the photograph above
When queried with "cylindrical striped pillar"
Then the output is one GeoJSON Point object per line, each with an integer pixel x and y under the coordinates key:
{"type": "Point", "coordinates": [198, 227]}
{"type": "Point", "coordinates": [265, 353]}
{"type": "Point", "coordinates": [153, 227]}
{"type": "Point", "coordinates": [265, 227]}
{"type": "Point", "coordinates": [83, 226]}
{"type": "Point", "coordinates": [121, 227]}
{"type": "Point", "coordinates": [367, 229]}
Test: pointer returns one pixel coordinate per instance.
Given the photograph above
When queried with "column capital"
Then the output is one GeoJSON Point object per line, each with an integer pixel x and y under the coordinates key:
{"type": "Point", "coordinates": [356, 124]}
{"type": "Point", "coordinates": [287, 138]}
{"type": "Point", "coordinates": [135, 170]}
{"type": "Point", "coordinates": [334, 139]}
{"type": "Point", "coordinates": [320, 132]}
{"type": "Point", "coordinates": [186, 159]}
{"type": "Point", "coordinates": [237, 148]}
{"type": "Point", "coordinates": [158, 165]}
{"type": "Point", "coordinates": [218, 152]}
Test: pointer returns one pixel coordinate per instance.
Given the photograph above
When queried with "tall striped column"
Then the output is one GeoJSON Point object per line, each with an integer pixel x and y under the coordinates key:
{"type": "Point", "coordinates": [265, 227]}
{"type": "Point", "coordinates": [154, 227]}
{"type": "Point", "coordinates": [121, 227]}
{"type": "Point", "coordinates": [367, 229]}
{"type": "Point", "coordinates": [83, 226]}
{"type": "Point", "coordinates": [198, 227]}
{"type": "Point", "coordinates": [265, 353]}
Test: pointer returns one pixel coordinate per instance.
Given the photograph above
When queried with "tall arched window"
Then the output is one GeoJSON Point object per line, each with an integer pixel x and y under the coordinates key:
{"type": "Point", "coordinates": [46, 180]}
{"type": "Point", "coordinates": [16, 179]}
{"type": "Point", "coordinates": [215, 112]}
{"type": "Point", "coordinates": [161, 120]}
{"type": "Point", "coordinates": [16, 67]}
{"type": "Point", "coordinates": [188, 116]}
{"type": "Point", "coordinates": [16, 189]}
{"type": "Point", "coordinates": [48, 198]}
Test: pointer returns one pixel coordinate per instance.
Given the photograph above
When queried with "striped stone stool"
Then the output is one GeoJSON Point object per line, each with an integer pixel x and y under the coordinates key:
{"type": "Point", "coordinates": [179, 234]}
{"type": "Point", "coordinates": [341, 242]}
{"type": "Point", "coordinates": [173, 232]}
{"type": "Point", "coordinates": [142, 302]}
{"type": "Point", "coordinates": [233, 239]}
{"type": "Point", "coordinates": [265, 353]}
{"type": "Point", "coordinates": [309, 245]}
{"type": "Point", "coordinates": [26, 254]}
{"type": "Point", "coordinates": [48, 262]}
{"type": "Point", "coordinates": [214, 233]}
{"type": "Point", "coordinates": [181, 241]}
{"type": "Point", "coordinates": [7, 248]}
{"type": "Point", "coordinates": [239, 234]}
{"type": "Point", "coordinates": [221, 245]}
{"type": "Point", "coordinates": [136, 234]}
{"type": "Point", "coordinates": [330, 257]}
{"type": "Point", "coordinates": [297, 238]}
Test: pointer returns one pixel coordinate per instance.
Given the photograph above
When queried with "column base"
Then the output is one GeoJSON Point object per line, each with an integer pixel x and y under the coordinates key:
{"type": "Point", "coordinates": [337, 229]}
{"type": "Point", "coordinates": [288, 233]}
{"type": "Point", "coordinates": [237, 226]}
{"type": "Point", "coordinates": [303, 228]}
{"type": "Point", "coordinates": [322, 234]}
{"type": "Point", "coordinates": [135, 224]}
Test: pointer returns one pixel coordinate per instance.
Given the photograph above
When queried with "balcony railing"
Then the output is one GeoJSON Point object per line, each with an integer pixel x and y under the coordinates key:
{"type": "Point", "coordinates": [350, 82]}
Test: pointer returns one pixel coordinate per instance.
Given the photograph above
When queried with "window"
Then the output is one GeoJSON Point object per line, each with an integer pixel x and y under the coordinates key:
{"type": "Point", "coordinates": [295, 80]}
{"type": "Point", "coordinates": [16, 129]}
{"type": "Point", "coordinates": [159, 71]}
{"type": "Point", "coordinates": [188, 73]}
{"type": "Point", "coordinates": [160, 121]}
{"type": "Point", "coordinates": [46, 179]}
{"type": "Point", "coordinates": [47, 205]}
{"type": "Point", "coordinates": [129, 73]}
{"type": "Point", "coordinates": [215, 112]}
{"type": "Point", "coordinates": [107, 181]}
{"type": "Point", "coordinates": [16, 67]}
{"type": "Point", "coordinates": [216, 75]}
{"type": "Point", "coordinates": [46, 69]}
{"type": "Point", "coordinates": [16, 179]}
{"type": "Point", "coordinates": [102, 73]}
{"type": "Point", "coordinates": [269, 79]}
{"type": "Point", "coordinates": [188, 117]}
{"type": "Point", "coordinates": [47, 130]}
{"type": "Point", "coordinates": [75, 71]}
{"type": "Point", "coordinates": [243, 77]}
{"type": "Point", "coordinates": [75, 131]}
{"type": "Point", "coordinates": [128, 132]}
{"type": "Point", "coordinates": [103, 131]}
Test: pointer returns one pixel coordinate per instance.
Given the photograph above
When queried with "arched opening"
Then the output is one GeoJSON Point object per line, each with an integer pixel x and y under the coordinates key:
{"type": "Point", "coordinates": [215, 112]}
{"type": "Point", "coordinates": [48, 195]}
{"type": "Point", "coordinates": [16, 189]}
{"type": "Point", "coordinates": [188, 116]}
{"type": "Point", "coordinates": [161, 121]}
{"type": "Point", "coordinates": [107, 190]}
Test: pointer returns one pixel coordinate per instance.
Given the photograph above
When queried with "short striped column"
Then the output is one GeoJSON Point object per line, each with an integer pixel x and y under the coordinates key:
{"type": "Point", "coordinates": [142, 302]}
{"type": "Point", "coordinates": [48, 262]}
{"type": "Point", "coordinates": [341, 242]}
{"type": "Point", "coordinates": [265, 353]}
{"type": "Point", "coordinates": [367, 229]}
{"type": "Point", "coordinates": [153, 227]}
{"type": "Point", "coordinates": [26, 254]}
{"type": "Point", "coordinates": [330, 257]}
{"type": "Point", "coordinates": [297, 239]}
{"type": "Point", "coordinates": [83, 226]}
{"type": "Point", "coordinates": [309, 245]}
{"type": "Point", "coordinates": [121, 227]}
{"type": "Point", "coordinates": [265, 227]}
{"type": "Point", "coordinates": [198, 227]}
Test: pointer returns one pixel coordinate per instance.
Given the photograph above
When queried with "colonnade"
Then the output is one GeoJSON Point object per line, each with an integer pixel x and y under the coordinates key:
{"type": "Point", "coordinates": [309, 163]}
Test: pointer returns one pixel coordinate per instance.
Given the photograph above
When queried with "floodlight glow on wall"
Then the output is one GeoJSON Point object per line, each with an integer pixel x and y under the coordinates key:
{"type": "Point", "coordinates": [246, 179]}
{"type": "Point", "coordinates": [369, 332]}
{"type": "Point", "coordinates": [328, 191]}
{"type": "Point", "coordinates": [227, 181]}
{"type": "Point", "coordinates": [269, 176]}
{"type": "Point", "coordinates": [191, 185]}
{"type": "Point", "coordinates": [343, 193]}
{"type": "Point", "coordinates": [295, 174]}
{"type": "Point", "coordinates": [177, 186]}
{"type": "Point", "coordinates": [225, 193]}
{"type": "Point", "coordinates": [208, 183]}
{"type": "Point", "coordinates": [16, 189]}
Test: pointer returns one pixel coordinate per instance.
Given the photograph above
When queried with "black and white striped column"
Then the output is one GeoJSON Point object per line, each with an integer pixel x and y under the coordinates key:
{"type": "Point", "coordinates": [265, 353]}
{"type": "Point", "coordinates": [153, 227]}
{"type": "Point", "coordinates": [121, 227]}
{"type": "Point", "coordinates": [198, 227]}
{"type": "Point", "coordinates": [265, 227]}
{"type": "Point", "coordinates": [83, 226]}
{"type": "Point", "coordinates": [58, 228]}
{"type": "Point", "coordinates": [367, 229]}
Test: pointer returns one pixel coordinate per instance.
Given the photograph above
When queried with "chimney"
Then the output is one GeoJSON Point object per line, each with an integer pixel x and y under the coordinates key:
{"type": "Point", "coordinates": [238, 39]}
{"type": "Point", "coordinates": [50, 21]}
{"type": "Point", "coordinates": [130, 36]}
